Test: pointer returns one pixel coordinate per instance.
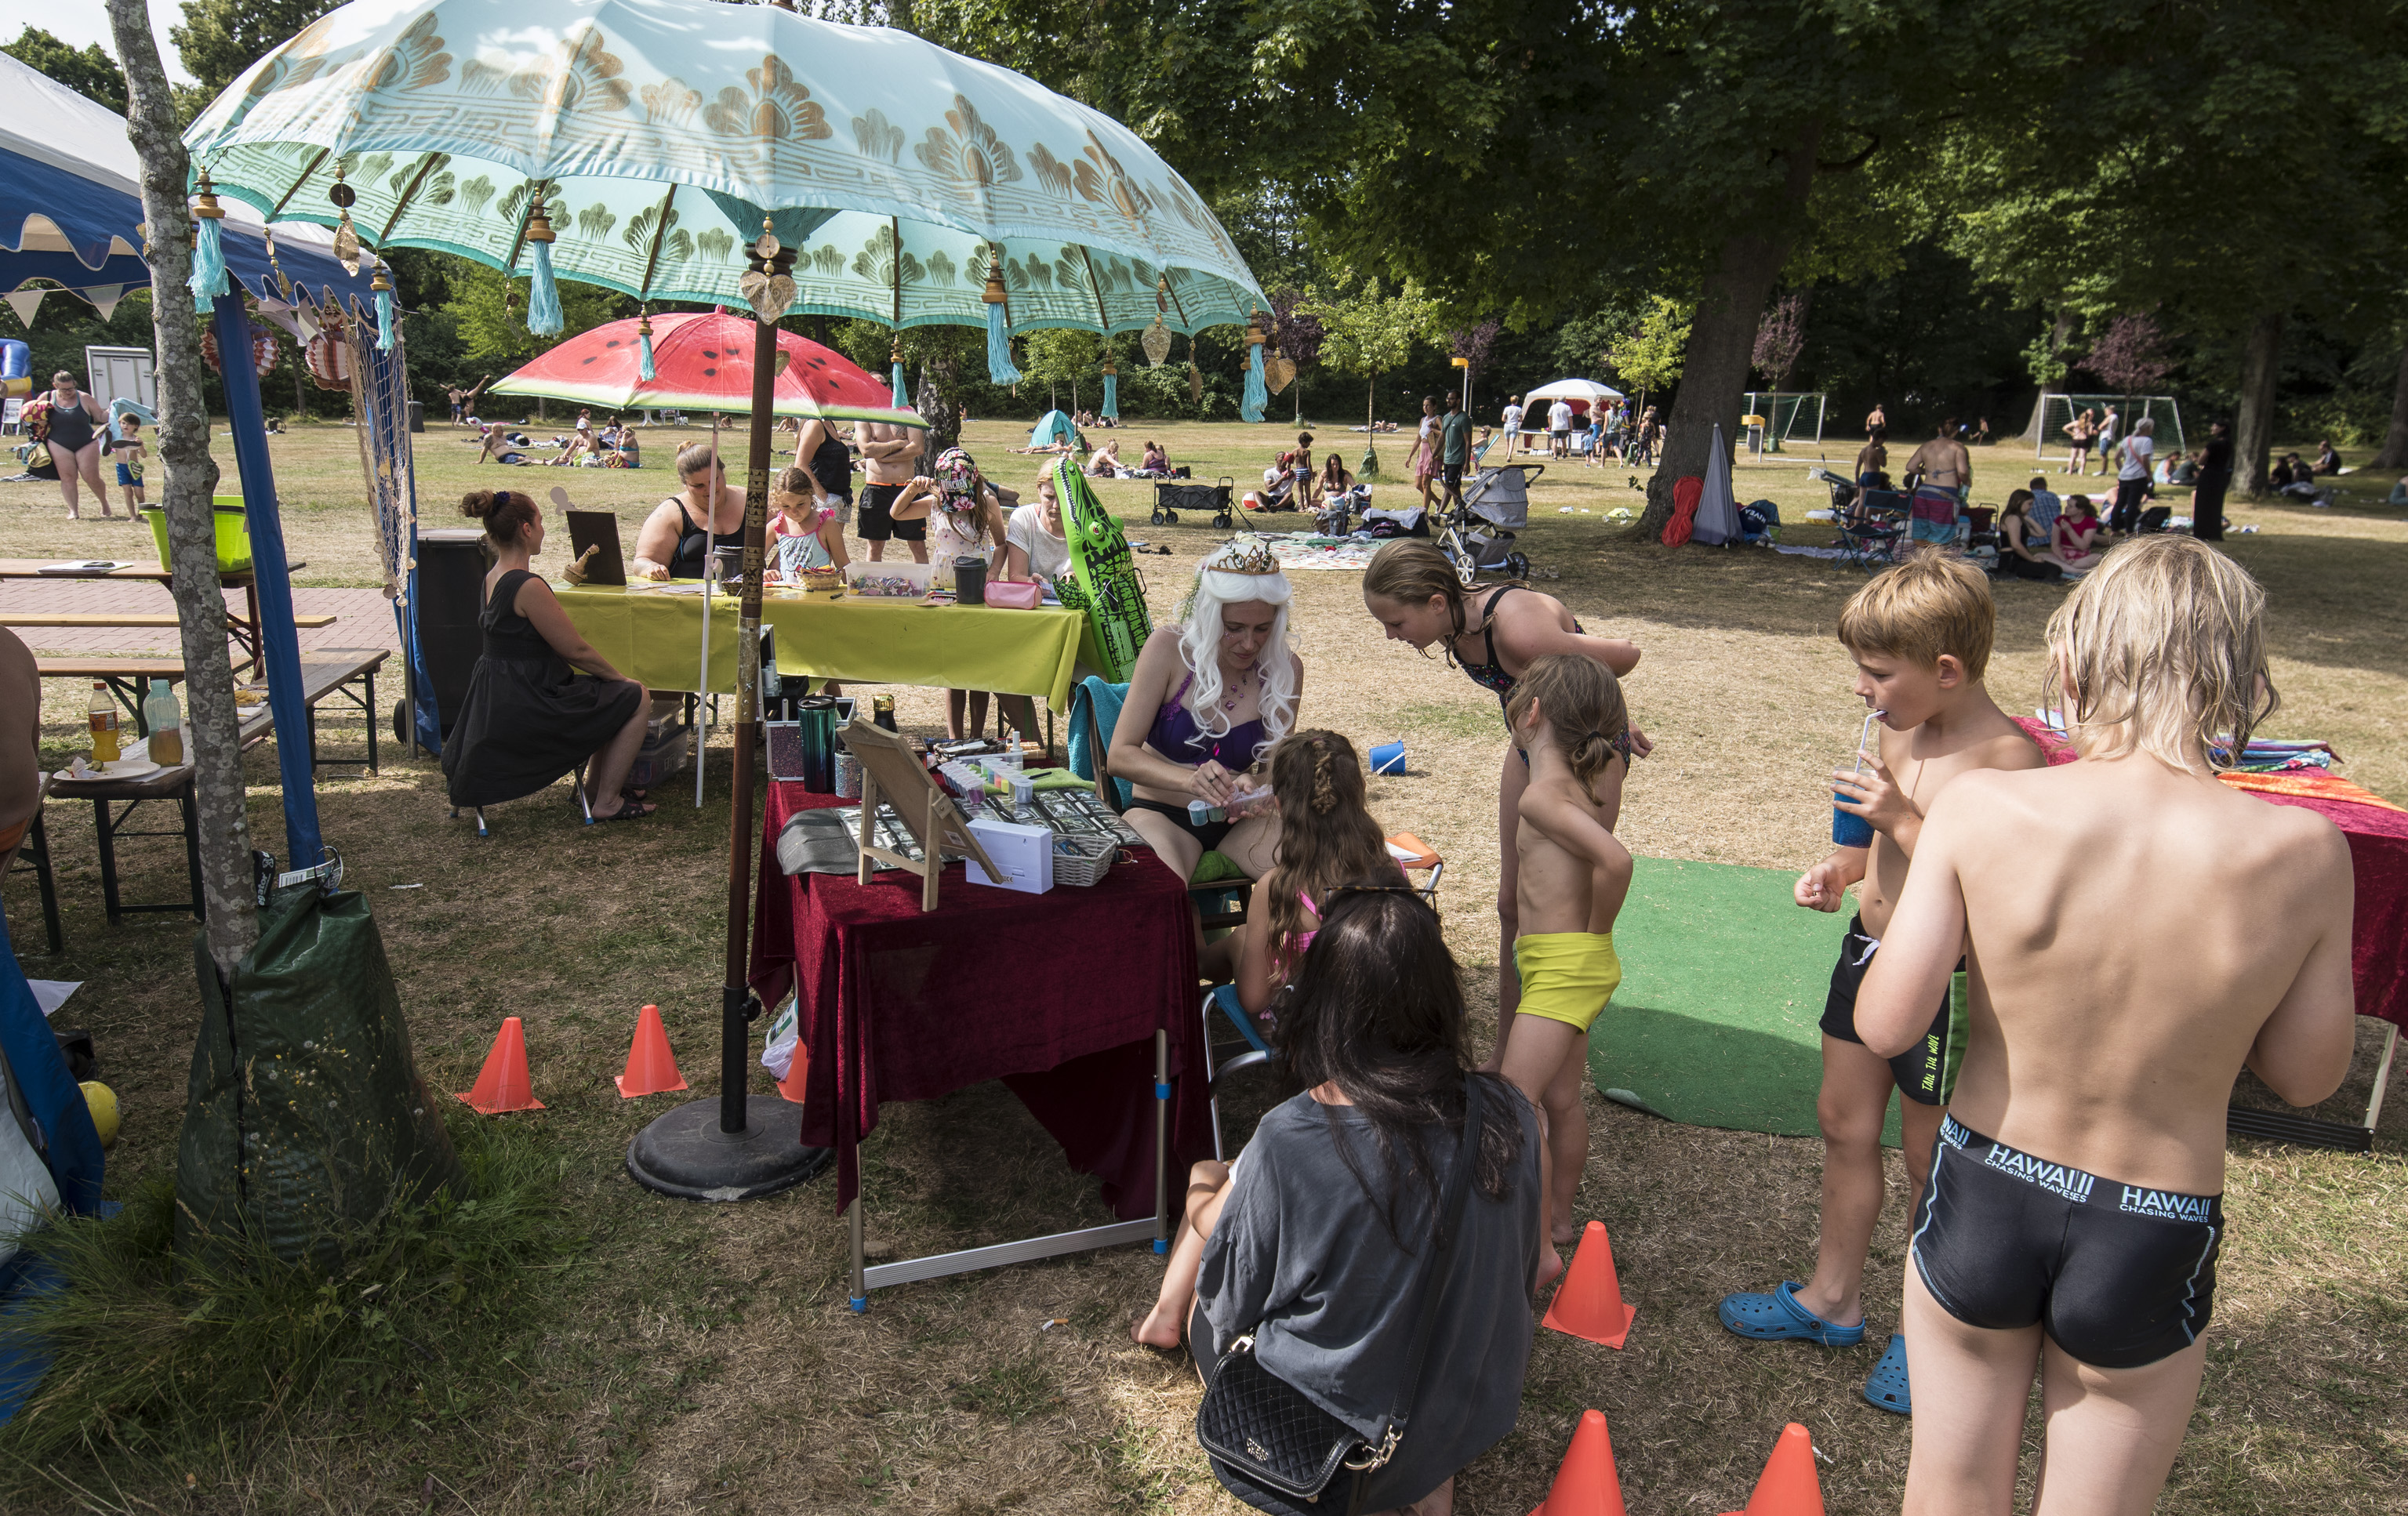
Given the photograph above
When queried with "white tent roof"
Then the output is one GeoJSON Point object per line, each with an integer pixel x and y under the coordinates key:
{"type": "Point", "coordinates": [1574, 388]}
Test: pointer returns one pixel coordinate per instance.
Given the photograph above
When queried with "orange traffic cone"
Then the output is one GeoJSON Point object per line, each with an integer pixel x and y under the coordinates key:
{"type": "Point", "coordinates": [651, 1069]}
{"type": "Point", "coordinates": [792, 1085]}
{"type": "Point", "coordinates": [1587, 1483]}
{"type": "Point", "coordinates": [1588, 1302]}
{"type": "Point", "coordinates": [502, 1083]}
{"type": "Point", "coordinates": [1787, 1486]}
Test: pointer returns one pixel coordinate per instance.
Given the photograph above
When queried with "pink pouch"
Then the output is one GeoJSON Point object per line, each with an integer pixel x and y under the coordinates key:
{"type": "Point", "coordinates": [1015, 594]}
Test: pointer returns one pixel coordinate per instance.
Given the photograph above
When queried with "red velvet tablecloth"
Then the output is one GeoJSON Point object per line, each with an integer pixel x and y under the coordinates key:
{"type": "Point", "coordinates": [1057, 994]}
{"type": "Point", "coordinates": [2378, 854]}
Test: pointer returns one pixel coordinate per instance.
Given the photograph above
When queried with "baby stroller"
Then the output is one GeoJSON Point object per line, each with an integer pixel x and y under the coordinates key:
{"type": "Point", "coordinates": [1479, 533]}
{"type": "Point", "coordinates": [1170, 499]}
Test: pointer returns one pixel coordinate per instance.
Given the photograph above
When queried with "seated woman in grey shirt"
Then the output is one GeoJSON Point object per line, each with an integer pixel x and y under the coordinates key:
{"type": "Point", "coordinates": [1314, 1239]}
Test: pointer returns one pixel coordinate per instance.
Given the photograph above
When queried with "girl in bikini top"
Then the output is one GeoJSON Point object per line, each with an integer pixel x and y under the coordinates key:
{"type": "Point", "coordinates": [1490, 675]}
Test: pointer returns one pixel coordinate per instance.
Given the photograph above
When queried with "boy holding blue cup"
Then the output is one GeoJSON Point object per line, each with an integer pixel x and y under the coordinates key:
{"type": "Point", "coordinates": [1920, 635]}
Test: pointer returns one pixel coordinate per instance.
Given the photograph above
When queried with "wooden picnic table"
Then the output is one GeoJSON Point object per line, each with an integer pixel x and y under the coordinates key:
{"type": "Point", "coordinates": [324, 672]}
{"type": "Point", "coordinates": [243, 629]}
{"type": "Point", "coordinates": [103, 619]}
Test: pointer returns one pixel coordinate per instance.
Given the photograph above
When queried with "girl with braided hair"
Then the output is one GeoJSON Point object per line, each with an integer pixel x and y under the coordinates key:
{"type": "Point", "coordinates": [1325, 838]}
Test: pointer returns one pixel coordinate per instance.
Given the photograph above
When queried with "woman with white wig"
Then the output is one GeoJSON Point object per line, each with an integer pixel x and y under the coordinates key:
{"type": "Point", "coordinates": [1208, 699]}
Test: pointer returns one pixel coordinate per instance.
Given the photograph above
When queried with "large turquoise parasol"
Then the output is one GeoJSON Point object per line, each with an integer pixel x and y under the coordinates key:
{"type": "Point", "coordinates": [658, 134]}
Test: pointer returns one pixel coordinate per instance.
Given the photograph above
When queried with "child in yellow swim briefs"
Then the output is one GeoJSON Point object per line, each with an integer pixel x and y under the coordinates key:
{"type": "Point", "coordinates": [1568, 717]}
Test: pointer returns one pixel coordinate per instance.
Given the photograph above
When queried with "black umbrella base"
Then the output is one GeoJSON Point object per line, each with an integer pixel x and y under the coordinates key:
{"type": "Point", "coordinates": [684, 1153]}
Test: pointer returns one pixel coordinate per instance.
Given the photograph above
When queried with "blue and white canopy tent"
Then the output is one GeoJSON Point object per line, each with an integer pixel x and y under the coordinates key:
{"type": "Point", "coordinates": [71, 208]}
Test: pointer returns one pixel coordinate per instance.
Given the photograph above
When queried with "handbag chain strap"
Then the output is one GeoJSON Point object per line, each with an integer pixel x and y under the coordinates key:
{"type": "Point", "coordinates": [1459, 1186]}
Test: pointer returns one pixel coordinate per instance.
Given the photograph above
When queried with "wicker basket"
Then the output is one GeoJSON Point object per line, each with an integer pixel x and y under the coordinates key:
{"type": "Point", "coordinates": [1083, 860]}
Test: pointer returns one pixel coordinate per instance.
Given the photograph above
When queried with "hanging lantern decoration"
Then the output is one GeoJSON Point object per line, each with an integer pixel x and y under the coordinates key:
{"type": "Point", "coordinates": [544, 318]}
{"type": "Point", "coordinates": [1112, 391]}
{"type": "Point", "coordinates": [644, 369]}
{"type": "Point", "coordinates": [999, 367]}
{"type": "Point", "coordinates": [208, 278]}
{"type": "Point", "coordinates": [902, 399]}
{"type": "Point", "coordinates": [265, 352]}
{"type": "Point", "coordinates": [1279, 369]}
{"type": "Point", "coordinates": [1251, 404]}
{"type": "Point", "coordinates": [328, 356]}
{"type": "Point", "coordinates": [346, 239]}
{"type": "Point", "coordinates": [1156, 340]}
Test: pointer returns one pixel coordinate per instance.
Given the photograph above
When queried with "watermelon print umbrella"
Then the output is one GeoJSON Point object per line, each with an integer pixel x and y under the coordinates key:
{"type": "Point", "coordinates": [703, 361]}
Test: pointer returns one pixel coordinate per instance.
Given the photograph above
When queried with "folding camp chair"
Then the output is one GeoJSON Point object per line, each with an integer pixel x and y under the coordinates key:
{"type": "Point", "coordinates": [1873, 531]}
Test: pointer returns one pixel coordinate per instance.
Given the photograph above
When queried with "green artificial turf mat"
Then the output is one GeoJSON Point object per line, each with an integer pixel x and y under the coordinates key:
{"type": "Point", "coordinates": [1723, 977]}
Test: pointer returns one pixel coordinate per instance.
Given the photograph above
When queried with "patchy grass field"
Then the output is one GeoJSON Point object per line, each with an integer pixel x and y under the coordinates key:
{"type": "Point", "coordinates": [653, 1355]}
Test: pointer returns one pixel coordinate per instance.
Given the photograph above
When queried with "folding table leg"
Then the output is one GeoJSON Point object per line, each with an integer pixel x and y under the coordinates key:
{"type": "Point", "coordinates": [1161, 1141]}
{"type": "Point", "coordinates": [369, 712]}
{"type": "Point", "coordinates": [860, 1286]}
{"type": "Point", "coordinates": [2373, 1103]}
{"type": "Point", "coordinates": [37, 842]}
{"type": "Point", "coordinates": [192, 851]}
{"type": "Point", "coordinates": [106, 834]}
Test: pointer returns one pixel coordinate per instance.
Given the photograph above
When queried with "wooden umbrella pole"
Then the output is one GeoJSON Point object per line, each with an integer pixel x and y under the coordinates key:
{"type": "Point", "coordinates": [735, 998]}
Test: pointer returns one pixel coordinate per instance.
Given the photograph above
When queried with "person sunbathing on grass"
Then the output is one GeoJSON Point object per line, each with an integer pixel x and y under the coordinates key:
{"type": "Point", "coordinates": [2073, 1220]}
{"type": "Point", "coordinates": [1920, 635]}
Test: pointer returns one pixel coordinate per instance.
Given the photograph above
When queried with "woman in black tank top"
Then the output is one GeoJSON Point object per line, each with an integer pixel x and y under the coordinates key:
{"type": "Point", "coordinates": [74, 442]}
{"type": "Point", "coordinates": [820, 451]}
{"type": "Point", "coordinates": [677, 537]}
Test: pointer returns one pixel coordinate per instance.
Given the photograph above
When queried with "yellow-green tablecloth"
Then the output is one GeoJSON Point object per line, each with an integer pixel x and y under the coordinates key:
{"type": "Point", "coordinates": [656, 635]}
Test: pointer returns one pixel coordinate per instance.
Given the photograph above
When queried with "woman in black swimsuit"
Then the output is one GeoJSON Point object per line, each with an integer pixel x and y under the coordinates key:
{"type": "Point", "coordinates": [680, 532]}
{"type": "Point", "coordinates": [74, 441]}
{"type": "Point", "coordinates": [1412, 592]}
{"type": "Point", "coordinates": [824, 454]}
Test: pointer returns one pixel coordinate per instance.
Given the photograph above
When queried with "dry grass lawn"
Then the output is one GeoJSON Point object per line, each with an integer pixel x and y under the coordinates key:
{"type": "Point", "coordinates": [694, 1358]}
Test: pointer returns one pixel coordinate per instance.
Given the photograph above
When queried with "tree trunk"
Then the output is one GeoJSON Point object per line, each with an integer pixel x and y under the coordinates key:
{"type": "Point", "coordinates": [2253, 432]}
{"type": "Point", "coordinates": [1722, 341]}
{"type": "Point", "coordinates": [211, 725]}
{"type": "Point", "coordinates": [2395, 443]}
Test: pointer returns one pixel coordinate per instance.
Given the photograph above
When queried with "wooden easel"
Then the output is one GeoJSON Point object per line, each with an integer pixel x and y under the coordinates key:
{"type": "Point", "coordinates": [927, 811]}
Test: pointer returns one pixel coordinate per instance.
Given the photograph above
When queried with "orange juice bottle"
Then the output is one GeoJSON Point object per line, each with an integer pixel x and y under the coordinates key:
{"type": "Point", "coordinates": [104, 725]}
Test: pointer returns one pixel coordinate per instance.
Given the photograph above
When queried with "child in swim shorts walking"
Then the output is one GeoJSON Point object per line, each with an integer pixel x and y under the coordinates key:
{"type": "Point", "coordinates": [127, 446]}
{"type": "Point", "coordinates": [1568, 717]}
{"type": "Point", "coordinates": [2136, 932]}
{"type": "Point", "coordinates": [1920, 635]}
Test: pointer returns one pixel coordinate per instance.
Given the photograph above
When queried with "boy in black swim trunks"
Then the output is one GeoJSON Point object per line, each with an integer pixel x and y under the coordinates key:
{"type": "Point", "coordinates": [1920, 635]}
{"type": "Point", "coordinates": [2074, 1217]}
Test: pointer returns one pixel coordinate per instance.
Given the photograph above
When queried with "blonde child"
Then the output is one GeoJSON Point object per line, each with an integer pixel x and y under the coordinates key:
{"type": "Point", "coordinates": [127, 446]}
{"type": "Point", "coordinates": [1920, 635]}
{"type": "Point", "coordinates": [2136, 932]}
{"type": "Point", "coordinates": [1568, 717]}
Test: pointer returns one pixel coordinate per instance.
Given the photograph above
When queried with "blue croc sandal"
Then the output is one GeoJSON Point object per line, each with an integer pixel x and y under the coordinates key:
{"type": "Point", "coordinates": [1888, 1387]}
{"type": "Point", "coordinates": [1778, 1318]}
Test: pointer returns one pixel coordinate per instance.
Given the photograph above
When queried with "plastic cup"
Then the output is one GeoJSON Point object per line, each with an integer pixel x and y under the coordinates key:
{"type": "Point", "coordinates": [1848, 829]}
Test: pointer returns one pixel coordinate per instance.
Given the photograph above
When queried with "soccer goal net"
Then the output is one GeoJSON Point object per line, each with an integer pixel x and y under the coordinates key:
{"type": "Point", "coordinates": [2057, 411]}
{"type": "Point", "coordinates": [1788, 417]}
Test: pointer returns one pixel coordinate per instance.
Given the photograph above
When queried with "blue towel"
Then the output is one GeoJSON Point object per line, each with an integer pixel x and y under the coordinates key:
{"type": "Point", "coordinates": [1105, 700]}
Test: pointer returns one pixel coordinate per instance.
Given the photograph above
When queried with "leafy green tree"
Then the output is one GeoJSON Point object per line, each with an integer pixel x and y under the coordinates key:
{"type": "Point", "coordinates": [1062, 356]}
{"type": "Point", "coordinates": [488, 315]}
{"type": "Point", "coordinates": [2104, 192]}
{"type": "Point", "coordinates": [91, 73]}
{"type": "Point", "coordinates": [220, 38]}
{"type": "Point", "coordinates": [1650, 355]}
{"type": "Point", "coordinates": [1370, 334]}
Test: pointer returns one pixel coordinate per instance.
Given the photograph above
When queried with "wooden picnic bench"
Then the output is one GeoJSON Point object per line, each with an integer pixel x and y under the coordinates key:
{"type": "Point", "coordinates": [244, 629]}
{"type": "Point", "coordinates": [101, 619]}
{"type": "Point", "coordinates": [324, 672]}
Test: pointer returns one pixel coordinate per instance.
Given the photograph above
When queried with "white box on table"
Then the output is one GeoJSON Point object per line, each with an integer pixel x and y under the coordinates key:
{"type": "Point", "coordinates": [1024, 854]}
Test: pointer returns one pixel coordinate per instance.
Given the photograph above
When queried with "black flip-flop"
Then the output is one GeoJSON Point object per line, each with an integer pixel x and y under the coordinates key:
{"type": "Point", "coordinates": [629, 810]}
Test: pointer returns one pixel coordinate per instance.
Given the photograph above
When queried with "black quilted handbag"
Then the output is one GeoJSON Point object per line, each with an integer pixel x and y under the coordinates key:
{"type": "Point", "coordinates": [1266, 1429]}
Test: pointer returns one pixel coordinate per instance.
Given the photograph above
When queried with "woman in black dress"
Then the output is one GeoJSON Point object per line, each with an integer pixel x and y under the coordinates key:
{"type": "Point", "coordinates": [528, 718]}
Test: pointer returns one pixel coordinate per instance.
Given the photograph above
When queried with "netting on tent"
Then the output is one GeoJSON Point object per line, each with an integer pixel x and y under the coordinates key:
{"type": "Point", "coordinates": [1789, 416]}
{"type": "Point", "coordinates": [380, 405]}
{"type": "Point", "coordinates": [2057, 412]}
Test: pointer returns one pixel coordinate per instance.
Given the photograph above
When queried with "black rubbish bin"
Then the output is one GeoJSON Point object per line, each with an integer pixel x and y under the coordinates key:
{"type": "Point", "coordinates": [418, 416]}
